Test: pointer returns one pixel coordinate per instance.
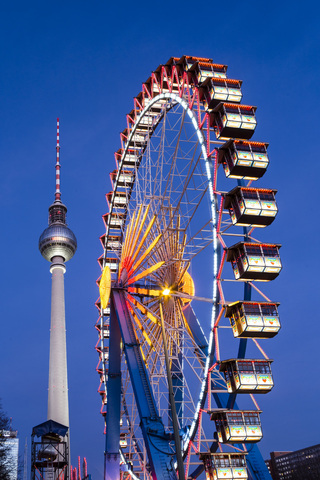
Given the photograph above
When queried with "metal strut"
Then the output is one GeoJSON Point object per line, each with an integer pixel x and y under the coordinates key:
{"type": "Point", "coordinates": [112, 455]}
{"type": "Point", "coordinates": [156, 440]}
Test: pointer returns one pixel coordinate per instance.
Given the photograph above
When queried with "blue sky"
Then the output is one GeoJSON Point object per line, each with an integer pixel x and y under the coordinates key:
{"type": "Point", "coordinates": [84, 62]}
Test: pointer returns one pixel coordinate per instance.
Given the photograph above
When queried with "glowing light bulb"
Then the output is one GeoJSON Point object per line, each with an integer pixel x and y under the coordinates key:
{"type": "Point", "coordinates": [166, 292]}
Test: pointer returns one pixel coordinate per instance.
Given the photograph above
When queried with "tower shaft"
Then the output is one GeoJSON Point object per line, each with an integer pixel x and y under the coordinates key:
{"type": "Point", "coordinates": [58, 406]}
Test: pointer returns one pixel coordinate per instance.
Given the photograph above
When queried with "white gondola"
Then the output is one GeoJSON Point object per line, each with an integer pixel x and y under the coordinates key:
{"type": "Point", "coordinates": [255, 261]}
{"type": "Point", "coordinates": [234, 121]}
{"type": "Point", "coordinates": [247, 375]}
{"type": "Point", "coordinates": [253, 319]}
{"type": "Point", "coordinates": [229, 466]}
{"type": "Point", "coordinates": [244, 160]}
{"type": "Point", "coordinates": [254, 207]}
{"type": "Point", "coordinates": [235, 426]}
{"type": "Point", "coordinates": [216, 90]}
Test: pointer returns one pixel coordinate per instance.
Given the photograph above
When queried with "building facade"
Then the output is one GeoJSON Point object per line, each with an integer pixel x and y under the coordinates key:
{"type": "Point", "coordinates": [12, 445]}
{"type": "Point", "coordinates": [301, 464]}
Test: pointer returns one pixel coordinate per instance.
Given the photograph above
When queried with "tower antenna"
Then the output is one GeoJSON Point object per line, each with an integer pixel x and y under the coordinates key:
{"type": "Point", "coordinates": [58, 193]}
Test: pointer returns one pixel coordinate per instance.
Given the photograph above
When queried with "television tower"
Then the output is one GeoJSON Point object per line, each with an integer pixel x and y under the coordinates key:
{"type": "Point", "coordinates": [58, 244]}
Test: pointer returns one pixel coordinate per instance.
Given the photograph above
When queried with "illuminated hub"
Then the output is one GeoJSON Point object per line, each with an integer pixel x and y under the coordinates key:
{"type": "Point", "coordinates": [143, 243]}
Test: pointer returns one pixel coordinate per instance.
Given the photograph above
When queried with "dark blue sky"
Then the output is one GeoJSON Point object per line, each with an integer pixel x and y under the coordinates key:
{"type": "Point", "coordinates": [84, 62]}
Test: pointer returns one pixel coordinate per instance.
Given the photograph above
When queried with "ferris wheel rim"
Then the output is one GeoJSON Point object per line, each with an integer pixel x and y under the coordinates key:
{"type": "Point", "coordinates": [201, 137]}
{"type": "Point", "coordinates": [204, 158]}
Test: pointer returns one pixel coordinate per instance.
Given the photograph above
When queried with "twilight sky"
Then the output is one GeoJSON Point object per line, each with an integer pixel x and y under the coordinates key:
{"type": "Point", "coordinates": [84, 62]}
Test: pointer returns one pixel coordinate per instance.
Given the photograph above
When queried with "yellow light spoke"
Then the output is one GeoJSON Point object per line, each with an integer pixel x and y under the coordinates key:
{"type": "Point", "coordinates": [144, 357]}
{"type": "Point", "coordinates": [144, 333]}
{"type": "Point", "coordinates": [146, 253]}
{"type": "Point", "coordinates": [146, 233]}
{"type": "Point", "coordinates": [145, 273]}
{"type": "Point", "coordinates": [145, 291]}
{"type": "Point", "coordinates": [143, 309]}
{"type": "Point", "coordinates": [136, 236]}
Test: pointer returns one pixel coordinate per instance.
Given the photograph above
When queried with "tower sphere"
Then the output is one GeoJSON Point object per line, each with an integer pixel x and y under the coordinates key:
{"type": "Point", "coordinates": [57, 240]}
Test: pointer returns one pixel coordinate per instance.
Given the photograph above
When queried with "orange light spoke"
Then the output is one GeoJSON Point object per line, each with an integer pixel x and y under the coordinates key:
{"type": "Point", "coordinates": [128, 237]}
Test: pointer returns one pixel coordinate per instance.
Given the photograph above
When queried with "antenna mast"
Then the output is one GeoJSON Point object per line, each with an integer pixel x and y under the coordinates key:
{"type": "Point", "coordinates": [58, 193]}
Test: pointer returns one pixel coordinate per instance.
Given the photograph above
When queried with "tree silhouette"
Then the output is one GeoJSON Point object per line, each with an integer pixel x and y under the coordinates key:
{"type": "Point", "coordinates": [5, 459]}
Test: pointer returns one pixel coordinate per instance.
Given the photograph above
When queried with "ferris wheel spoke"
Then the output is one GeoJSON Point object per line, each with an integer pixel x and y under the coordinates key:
{"type": "Point", "coordinates": [169, 184]}
{"type": "Point", "coordinates": [191, 297]}
{"type": "Point", "coordinates": [135, 249]}
{"type": "Point", "coordinates": [190, 360]}
{"type": "Point", "coordinates": [146, 292]}
{"type": "Point", "coordinates": [199, 242]}
{"type": "Point", "coordinates": [145, 273]}
{"type": "Point", "coordinates": [156, 181]}
{"type": "Point", "coordinates": [195, 327]}
{"type": "Point", "coordinates": [196, 205]}
{"type": "Point", "coordinates": [141, 328]}
{"type": "Point", "coordinates": [143, 309]}
{"type": "Point", "coordinates": [146, 254]}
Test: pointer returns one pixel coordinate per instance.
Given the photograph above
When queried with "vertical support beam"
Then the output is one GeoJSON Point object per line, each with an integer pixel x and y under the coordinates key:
{"type": "Point", "coordinates": [156, 441]}
{"type": "Point", "coordinates": [177, 439]}
{"type": "Point", "coordinates": [112, 456]}
{"type": "Point", "coordinates": [177, 382]}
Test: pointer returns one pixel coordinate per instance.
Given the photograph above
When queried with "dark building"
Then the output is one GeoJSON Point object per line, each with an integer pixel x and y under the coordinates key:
{"type": "Point", "coordinates": [302, 464]}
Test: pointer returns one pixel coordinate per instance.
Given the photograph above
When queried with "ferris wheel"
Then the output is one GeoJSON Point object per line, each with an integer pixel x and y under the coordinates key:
{"type": "Point", "coordinates": [181, 309]}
